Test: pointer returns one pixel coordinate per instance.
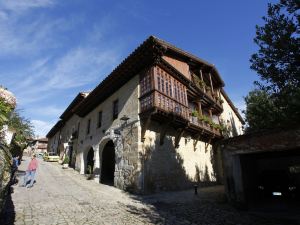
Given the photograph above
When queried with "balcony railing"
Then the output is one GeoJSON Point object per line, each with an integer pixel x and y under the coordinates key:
{"type": "Point", "coordinates": [204, 125]}
{"type": "Point", "coordinates": [162, 102]}
{"type": "Point", "coordinates": [165, 103]}
{"type": "Point", "coordinates": [200, 84]}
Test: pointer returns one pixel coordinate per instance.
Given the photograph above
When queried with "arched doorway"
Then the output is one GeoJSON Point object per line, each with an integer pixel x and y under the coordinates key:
{"type": "Point", "coordinates": [90, 161]}
{"type": "Point", "coordinates": [108, 164]}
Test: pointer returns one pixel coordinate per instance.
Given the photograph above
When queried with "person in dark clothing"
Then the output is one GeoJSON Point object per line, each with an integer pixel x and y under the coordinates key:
{"type": "Point", "coordinates": [15, 166]}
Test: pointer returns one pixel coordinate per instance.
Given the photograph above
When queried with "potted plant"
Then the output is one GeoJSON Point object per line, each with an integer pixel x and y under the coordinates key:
{"type": "Point", "coordinates": [90, 174]}
{"type": "Point", "coordinates": [66, 162]}
{"type": "Point", "coordinates": [195, 115]}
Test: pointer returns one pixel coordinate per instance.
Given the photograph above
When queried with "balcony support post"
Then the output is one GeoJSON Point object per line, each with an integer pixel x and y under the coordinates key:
{"type": "Point", "coordinates": [201, 76]}
{"type": "Point", "coordinates": [207, 144]}
{"type": "Point", "coordinates": [211, 84]}
{"type": "Point", "coordinates": [199, 107]}
{"type": "Point", "coordinates": [180, 133]}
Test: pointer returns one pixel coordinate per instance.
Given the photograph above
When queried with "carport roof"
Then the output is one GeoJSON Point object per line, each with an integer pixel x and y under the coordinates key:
{"type": "Point", "coordinates": [264, 141]}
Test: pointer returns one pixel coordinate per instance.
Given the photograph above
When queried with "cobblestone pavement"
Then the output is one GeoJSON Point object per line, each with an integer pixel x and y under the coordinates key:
{"type": "Point", "coordinates": [62, 196]}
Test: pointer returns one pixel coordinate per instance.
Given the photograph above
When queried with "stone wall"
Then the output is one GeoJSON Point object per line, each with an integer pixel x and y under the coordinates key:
{"type": "Point", "coordinates": [168, 168]}
{"type": "Point", "coordinates": [5, 174]}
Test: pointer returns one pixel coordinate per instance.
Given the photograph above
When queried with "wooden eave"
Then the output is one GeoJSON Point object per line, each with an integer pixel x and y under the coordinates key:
{"type": "Point", "coordinates": [148, 53]}
{"type": "Point", "coordinates": [191, 59]}
{"type": "Point", "coordinates": [72, 107]}
{"type": "Point", "coordinates": [55, 128]}
{"type": "Point", "coordinates": [142, 57]}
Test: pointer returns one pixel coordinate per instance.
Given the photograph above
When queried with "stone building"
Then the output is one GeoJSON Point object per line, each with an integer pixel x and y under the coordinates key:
{"type": "Point", "coordinates": [151, 124]}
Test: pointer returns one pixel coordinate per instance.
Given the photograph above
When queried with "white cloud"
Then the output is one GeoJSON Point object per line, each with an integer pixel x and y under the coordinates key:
{"type": "Point", "coordinates": [240, 105]}
{"type": "Point", "coordinates": [76, 68]}
{"type": "Point", "coordinates": [48, 111]}
{"type": "Point", "coordinates": [41, 128]}
{"type": "Point", "coordinates": [22, 39]}
{"type": "Point", "coordinates": [21, 5]}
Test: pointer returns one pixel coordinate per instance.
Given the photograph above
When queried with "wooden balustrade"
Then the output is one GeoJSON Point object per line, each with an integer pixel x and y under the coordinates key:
{"type": "Point", "coordinates": [204, 125]}
{"type": "Point", "coordinates": [165, 103]}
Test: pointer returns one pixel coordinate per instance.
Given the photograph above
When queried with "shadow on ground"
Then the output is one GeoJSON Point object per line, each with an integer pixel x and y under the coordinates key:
{"type": "Point", "coordinates": [205, 208]}
{"type": "Point", "coordinates": [9, 214]}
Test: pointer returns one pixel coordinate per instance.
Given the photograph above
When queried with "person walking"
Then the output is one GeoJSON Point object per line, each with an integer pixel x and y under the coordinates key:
{"type": "Point", "coordinates": [15, 165]}
{"type": "Point", "coordinates": [30, 172]}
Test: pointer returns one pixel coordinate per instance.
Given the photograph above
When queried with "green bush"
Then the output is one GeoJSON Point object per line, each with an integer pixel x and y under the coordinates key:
{"type": "Point", "coordinates": [66, 160]}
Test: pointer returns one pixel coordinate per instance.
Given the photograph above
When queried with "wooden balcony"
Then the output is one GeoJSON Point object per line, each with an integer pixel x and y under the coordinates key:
{"type": "Point", "coordinates": [164, 104]}
{"type": "Point", "coordinates": [207, 91]}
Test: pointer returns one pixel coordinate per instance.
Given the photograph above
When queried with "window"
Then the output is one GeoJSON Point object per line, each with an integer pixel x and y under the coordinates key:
{"type": "Point", "coordinates": [115, 109]}
{"type": "Point", "coordinates": [170, 87]}
{"type": "Point", "coordinates": [88, 126]}
{"type": "Point", "coordinates": [158, 82]}
{"type": "Point", "coordinates": [99, 119]}
{"type": "Point", "coordinates": [162, 83]}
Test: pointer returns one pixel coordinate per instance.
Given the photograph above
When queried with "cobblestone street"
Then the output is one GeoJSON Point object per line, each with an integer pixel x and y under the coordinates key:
{"type": "Point", "coordinates": [62, 196]}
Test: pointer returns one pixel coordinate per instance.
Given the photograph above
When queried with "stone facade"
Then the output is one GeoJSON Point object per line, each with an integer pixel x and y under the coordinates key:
{"type": "Point", "coordinates": [147, 157]}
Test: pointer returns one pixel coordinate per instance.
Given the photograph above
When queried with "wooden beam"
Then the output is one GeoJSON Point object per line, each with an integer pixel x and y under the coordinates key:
{"type": "Point", "coordinates": [178, 136]}
{"type": "Point", "coordinates": [196, 141]}
{"type": "Point", "coordinates": [200, 107]}
{"type": "Point", "coordinates": [206, 145]}
{"type": "Point", "coordinates": [201, 75]}
{"type": "Point", "coordinates": [211, 84]}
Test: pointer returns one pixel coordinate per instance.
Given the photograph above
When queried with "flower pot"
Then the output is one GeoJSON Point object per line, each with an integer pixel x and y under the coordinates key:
{"type": "Point", "coordinates": [65, 166]}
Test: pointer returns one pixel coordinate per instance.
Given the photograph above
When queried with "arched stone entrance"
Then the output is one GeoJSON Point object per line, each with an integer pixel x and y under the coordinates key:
{"type": "Point", "coordinates": [90, 161]}
{"type": "Point", "coordinates": [108, 163]}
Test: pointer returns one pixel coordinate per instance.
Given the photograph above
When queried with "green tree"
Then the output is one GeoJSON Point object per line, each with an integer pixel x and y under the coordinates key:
{"type": "Point", "coordinates": [21, 125]}
{"type": "Point", "coordinates": [276, 100]}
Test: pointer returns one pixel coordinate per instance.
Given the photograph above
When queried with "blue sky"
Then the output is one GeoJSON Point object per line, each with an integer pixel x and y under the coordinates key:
{"type": "Point", "coordinates": [52, 49]}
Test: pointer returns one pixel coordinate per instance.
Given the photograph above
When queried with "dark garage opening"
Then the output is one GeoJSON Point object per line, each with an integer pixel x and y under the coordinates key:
{"type": "Point", "coordinates": [108, 164]}
{"type": "Point", "coordinates": [271, 177]}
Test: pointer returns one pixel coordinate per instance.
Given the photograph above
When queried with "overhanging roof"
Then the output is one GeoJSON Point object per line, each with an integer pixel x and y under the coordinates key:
{"type": "Point", "coordinates": [73, 106]}
{"type": "Point", "coordinates": [139, 59]}
{"type": "Point", "coordinates": [54, 129]}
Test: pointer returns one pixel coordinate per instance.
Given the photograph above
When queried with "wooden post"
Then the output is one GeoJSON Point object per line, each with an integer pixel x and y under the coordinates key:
{"type": "Point", "coordinates": [211, 84]}
{"type": "Point", "coordinates": [210, 113]}
{"type": "Point", "coordinates": [199, 107]}
{"type": "Point", "coordinates": [201, 76]}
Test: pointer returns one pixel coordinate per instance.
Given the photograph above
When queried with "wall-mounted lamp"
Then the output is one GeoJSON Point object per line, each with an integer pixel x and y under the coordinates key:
{"type": "Point", "coordinates": [125, 119]}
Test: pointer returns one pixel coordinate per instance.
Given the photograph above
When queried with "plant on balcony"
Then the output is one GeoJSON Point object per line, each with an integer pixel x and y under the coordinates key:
{"type": "Point", "coordinates": [202, 84]}
{"type": "Point", "coordinates": [201, 117]}
{"type": "Point", "coordinates": [207, 120]}
{"type": "Point", "coordinates": [195, 113]}
{"type": "Point", "coordinates": [219, 99]}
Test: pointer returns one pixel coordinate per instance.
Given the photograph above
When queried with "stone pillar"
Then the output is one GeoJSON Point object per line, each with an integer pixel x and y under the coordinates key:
{"type": "Point", "coordinates": [82, 163]}
{"type": "Point", "coordinates": [97, 164]}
